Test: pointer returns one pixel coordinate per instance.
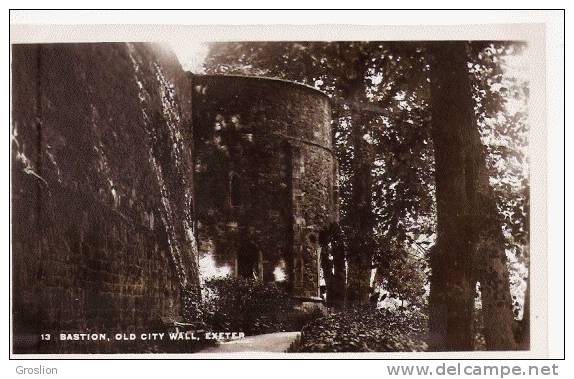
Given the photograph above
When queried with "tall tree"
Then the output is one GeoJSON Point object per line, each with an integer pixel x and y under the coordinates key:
{"type": "Point", "coordinates": [471, 243]}
{"type": "Point", "coordinates": [360, 216]}
{"type": "Point", "coordinates": [491, 219]}
{"type": "Point", "coordinates": [452, 112]}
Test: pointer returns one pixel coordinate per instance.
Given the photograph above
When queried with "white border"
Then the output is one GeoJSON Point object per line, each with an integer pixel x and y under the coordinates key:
{"type": "Point", "coordinates": [554, 53]}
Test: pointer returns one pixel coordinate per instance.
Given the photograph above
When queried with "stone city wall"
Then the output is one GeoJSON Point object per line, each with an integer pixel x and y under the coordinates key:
{"type": "Point", "coordinates": [102, 205]}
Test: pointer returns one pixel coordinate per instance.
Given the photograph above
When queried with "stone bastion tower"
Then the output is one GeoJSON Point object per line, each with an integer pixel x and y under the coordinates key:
{"type": "Point", "coordinates": [265, 179]}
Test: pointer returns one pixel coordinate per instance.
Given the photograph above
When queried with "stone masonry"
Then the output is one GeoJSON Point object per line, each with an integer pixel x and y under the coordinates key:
{"type": "Point", "coordinates": [115, 177]}
{"type": "Point", "coordinates": [102, 205]}
{"type": "Point", "coordinates": [265, 177]}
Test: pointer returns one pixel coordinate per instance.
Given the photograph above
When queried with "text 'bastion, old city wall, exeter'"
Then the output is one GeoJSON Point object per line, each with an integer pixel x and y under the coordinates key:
{"type": "Point", "coordinates": [102, 205]}
{"type": "Point", "coordinates": [265, 178]}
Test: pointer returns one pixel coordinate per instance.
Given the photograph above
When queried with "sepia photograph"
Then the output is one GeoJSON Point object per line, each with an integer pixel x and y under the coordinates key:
{"type": "Point", "coordinates": [292, 196]}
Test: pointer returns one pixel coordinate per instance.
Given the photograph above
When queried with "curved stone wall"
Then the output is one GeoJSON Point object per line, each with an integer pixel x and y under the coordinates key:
{"type": "Point", "coordinates": [265, 177]}
{"type": "Point", "coordinates": [102, 205]}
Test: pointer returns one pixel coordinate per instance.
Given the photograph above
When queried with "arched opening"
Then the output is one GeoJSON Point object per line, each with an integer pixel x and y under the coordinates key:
{"type": "Point", "coordinates": [234, 190]}
{"type": "Point", "coordinates": [248, 261]}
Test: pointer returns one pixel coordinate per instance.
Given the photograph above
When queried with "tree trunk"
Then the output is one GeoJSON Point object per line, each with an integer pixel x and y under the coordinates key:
{"type": "Point", "coordinates": [452, 288]}
{"type": "Point", "coordinates": [333, 245]}
{"type": "Point", "coordinates": [359, 258]}
{"type": "Point", "coordinates": [494, 283]}
{"type": "Point", "coordinates": [490, 253]}
{"type": "Point", "coordinates": [469, 228]}
{"type": "Point", "coordinates": [360, 214]}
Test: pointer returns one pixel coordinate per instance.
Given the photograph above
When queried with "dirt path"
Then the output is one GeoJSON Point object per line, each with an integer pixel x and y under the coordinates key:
{"type": "Point", "coordinates": [271, 343]}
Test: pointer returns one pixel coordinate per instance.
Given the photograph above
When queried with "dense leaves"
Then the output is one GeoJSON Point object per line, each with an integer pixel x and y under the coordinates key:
{"type": "Point", "coordinates": [501, 92]}
{"type": "Point", "coordinates": [379, 94]}
{"type": "Point", "coordinates": [252, 307]}
{"type": "Point", "coordinates": [499, 75]}
{"type": "Point", "coordinates": [365, 330]}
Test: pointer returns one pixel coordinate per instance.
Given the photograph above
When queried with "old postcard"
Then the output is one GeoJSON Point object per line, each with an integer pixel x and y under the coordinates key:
{"type": "Point", "coordinates": [224, 191]}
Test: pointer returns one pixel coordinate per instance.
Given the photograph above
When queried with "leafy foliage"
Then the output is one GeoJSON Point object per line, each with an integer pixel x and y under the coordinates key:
{"type": "Point", "coordinates": [404, 277]}
{"type": "Point", "coordinates": [365, 330]}
{"type": "Point", "coordinates": [387, 84]}
{"type": "Point", "coordinates": [500, 87]}
{"type": "Point", "coordinates": [501, 111]}
{"type": "Point", "coordinates": [250, 306]}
